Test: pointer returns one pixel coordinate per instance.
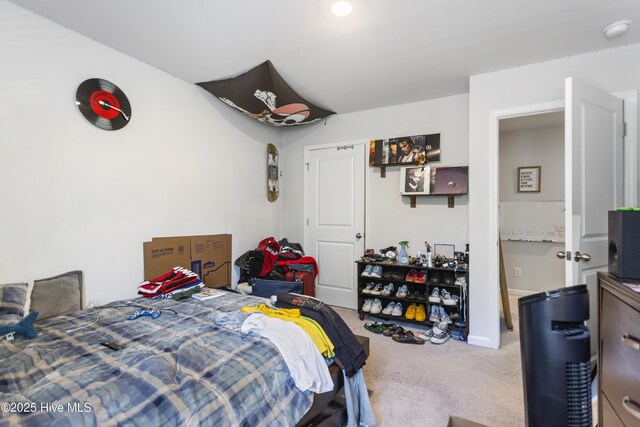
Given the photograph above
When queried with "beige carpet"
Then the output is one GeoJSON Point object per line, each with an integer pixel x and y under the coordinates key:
{"type": "Point", "coordinates": [421, 385]}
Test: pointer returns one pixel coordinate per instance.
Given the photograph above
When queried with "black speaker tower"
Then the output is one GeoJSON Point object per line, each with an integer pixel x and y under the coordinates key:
{"type": "Point", "coordinates": [624, 244]}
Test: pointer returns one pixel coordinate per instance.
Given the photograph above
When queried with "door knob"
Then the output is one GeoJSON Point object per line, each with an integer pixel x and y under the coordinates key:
{"type": "Point", "coordinates": [564, 255]}
{"type": "Point", "coordinates": [581, 257]}
{"type": "Point", "coordinates": [359, 236]}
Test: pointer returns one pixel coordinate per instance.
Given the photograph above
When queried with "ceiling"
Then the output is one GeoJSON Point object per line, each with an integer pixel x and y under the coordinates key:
{"type": "Point", "coordinates": [386, 52]}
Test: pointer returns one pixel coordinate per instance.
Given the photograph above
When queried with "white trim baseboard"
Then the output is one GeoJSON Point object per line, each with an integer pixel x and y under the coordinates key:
{"type": "Point", "coordinates": [521, 292]}
{"type": "Point", "coordinates": [481, 341]}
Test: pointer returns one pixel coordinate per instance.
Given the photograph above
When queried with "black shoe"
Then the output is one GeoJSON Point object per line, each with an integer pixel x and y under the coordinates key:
{"type": "Point", "coordinates": [435, 277]}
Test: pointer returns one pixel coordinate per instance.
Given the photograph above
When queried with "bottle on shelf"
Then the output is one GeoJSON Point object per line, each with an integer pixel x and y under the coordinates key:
{"type": "Point", "coordinates": [403, 256]}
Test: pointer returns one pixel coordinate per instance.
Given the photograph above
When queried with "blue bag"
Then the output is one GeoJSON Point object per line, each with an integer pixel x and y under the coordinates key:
{"type": "Point", "coordinates": [265, 288]}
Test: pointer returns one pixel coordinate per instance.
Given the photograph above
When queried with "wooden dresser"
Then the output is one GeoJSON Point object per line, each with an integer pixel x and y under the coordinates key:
{"type": "Point", "coordinates": [619, 353]}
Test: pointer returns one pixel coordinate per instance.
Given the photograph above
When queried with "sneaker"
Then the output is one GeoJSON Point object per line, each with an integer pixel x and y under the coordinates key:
{"type": "Point", "coordinates": [434, 314]}
{"type": "Point", "coordinates": [376, 306]}
{"type": "Point", "coordinates": [451, 301]}
{"type": "Point", "coordinates": [387, 274]}
{"type": "Point", "coordinates": [411, 275]}
{"type": "Point", "coordinates": [389, 308]}
{"type": "Point", "coordinates": [435, 296]}
{"type": "Point", "coordinates": [435, 277]}
{"type": "Point", "coordinates": [420, 296]}
{"type": "Point", "coordinates": [421, 277]}
{"type": "Point", "coordinates": [440, 333]}
{"type": "Point", "coordinates": [367, 271]}
{"type": "Point", "coordinates": [367, 289]}
{"type": "Point", "coordinates": [377, 290]}
{"type": "Point", "coordinates": [444, 294]}
{"type": "Point", "coordinates": [421, 314]}
{"type": "Point", "coordinates": [449, 277]}
{"type": "Point", "coordinates": [376, 272]}
{"type": "Point", "coordinates": [402, 292]}
{"type": "Point", "coordinates": [444, 317]}
{"type": "Point", "coordinates": [411, 312]}
{"type": "Point", "coordinates": [397, 310]}
{"type": "Point", "coordinates": [454, 316]}
{"type": "Point", "coordinates": [388, 290]}
{"type": "Point", "coordinates": [426, 335]}
{"type": "Point", "coordinates": [398, 275]}
{"type": "Point", "coordinates": [366, 307]}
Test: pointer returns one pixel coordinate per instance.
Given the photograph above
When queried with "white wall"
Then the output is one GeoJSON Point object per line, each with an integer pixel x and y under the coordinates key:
{"type": "Point", "coordinates": [612, 70]}
{"type": "Point", "coordinates": [542, 146]}
{"type": "Point", "coordinates": [78, 197]}
{"type": "Point", "coordinates": [390, 219]}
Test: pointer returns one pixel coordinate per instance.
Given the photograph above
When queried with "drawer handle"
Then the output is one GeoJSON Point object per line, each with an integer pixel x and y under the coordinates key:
{"type": "Point", "coordinates": [631, 342]}
{"type": "Point", "coordinates": [631, 407]}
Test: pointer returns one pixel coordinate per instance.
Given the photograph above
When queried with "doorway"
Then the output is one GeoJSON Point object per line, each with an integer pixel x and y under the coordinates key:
{"type": "Point", "coordinates": [334, 200]}
{"type": "Point", "coordinates": [531, 201]}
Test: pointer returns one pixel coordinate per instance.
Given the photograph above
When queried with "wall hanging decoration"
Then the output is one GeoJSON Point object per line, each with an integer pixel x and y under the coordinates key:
{"type": "Point", "coordinates": [415, 181]}
{"type": "Point", "coordinates": [405, 150]}
{"type": "Point", "coordinates": [103, 104]}
{"type": "Point", "coordinates": [273, 189]}
{"type": "Point", "coordinates": [529, 179]}
{"type": "Point", "coordinates": [262, 94]}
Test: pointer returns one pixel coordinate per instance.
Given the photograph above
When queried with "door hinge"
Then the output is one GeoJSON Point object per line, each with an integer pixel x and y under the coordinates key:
{"type": "Point", "coordinates": [345, 147]}
{"type": "Point", "coordinates": [307, 166]}
{"type": "Point", "coordinates": [624, 129]}
{"type": "Point", "coordinates": [307, 222]}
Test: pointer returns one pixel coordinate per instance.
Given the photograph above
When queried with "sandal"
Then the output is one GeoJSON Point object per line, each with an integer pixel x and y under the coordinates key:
{"type": "Point", "coordinates": [378, 327]}
{"type": "Point", "coordinates": [393, 331]}
{"type": "Point", "coordinates": [407, 338]}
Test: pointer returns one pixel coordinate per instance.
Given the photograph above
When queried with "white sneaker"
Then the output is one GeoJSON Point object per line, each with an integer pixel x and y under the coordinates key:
{"type": "Point", "coordinates": [388, 290]}
{"type": "Point", "coordinates": [366, 307]}
{"type": "Point", "coordinates": [376, 306]}
{"type": "Point", "coordinates": [441, 333]}
{"type": "Point", "coordinates": [376, 272]}
{"type": "Point", "coordinates": [450, 299]}
{"type": "Point", "coordinates": [402, 292]}
{"type": "Point", "coordinates": [367, 271]}
{"type": "Point", "coordinates": [389, 308]}
{"type": "Point", "coordinates": [377, 290]}
{"type": "Point", "coordinates": [435, 296]}
{"type": "Point", "coordinates": [397, 310]}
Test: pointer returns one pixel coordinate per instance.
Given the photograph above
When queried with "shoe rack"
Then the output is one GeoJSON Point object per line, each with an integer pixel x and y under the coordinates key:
{"type": "Point", "coordinates": [423, 289]}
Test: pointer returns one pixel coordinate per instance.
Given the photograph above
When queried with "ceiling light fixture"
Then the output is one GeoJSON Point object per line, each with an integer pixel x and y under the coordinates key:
{"type": "Point", "coordinates": [341, 8]}
{"type": "Point", "coordinates": [616, 29]}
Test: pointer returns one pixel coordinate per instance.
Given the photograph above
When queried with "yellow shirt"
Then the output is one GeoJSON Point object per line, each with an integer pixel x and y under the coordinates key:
{"type": "Point", "coordinates": [311, 327]}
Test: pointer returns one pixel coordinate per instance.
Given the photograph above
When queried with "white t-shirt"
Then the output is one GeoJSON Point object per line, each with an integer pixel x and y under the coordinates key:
{"type": "Point", "coordinates": [306, 365]}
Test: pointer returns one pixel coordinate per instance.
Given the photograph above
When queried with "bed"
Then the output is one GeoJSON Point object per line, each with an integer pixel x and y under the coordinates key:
{"type": "Point", "coordinates": [178, 369]}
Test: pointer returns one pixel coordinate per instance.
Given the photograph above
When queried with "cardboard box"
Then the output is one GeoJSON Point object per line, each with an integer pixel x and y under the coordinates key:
{"type": "Point", "coordinates": [208, 256]}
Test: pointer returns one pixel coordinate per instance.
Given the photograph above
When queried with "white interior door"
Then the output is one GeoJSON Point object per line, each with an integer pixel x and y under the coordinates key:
{"type": "Point", "coordinates": [334, 227]}
{"type": "Point", "coordinates": [594, 184]}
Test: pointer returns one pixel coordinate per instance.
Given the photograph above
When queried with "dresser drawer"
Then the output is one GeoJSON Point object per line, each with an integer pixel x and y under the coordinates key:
{"type": "Point", "coordinates": [609, 417]}
{"type": "Point", "coordinates": [620, 357]}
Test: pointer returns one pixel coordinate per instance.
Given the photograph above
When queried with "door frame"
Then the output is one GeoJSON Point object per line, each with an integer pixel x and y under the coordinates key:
{"type": "Point", "coordinates": [494, 217]}
{"type": "Point", "coordinates": [307, 150]}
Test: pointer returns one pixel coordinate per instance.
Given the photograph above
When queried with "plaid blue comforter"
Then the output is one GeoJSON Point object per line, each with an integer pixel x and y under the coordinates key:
{"type": "Point", "coordinates": [179, 369]}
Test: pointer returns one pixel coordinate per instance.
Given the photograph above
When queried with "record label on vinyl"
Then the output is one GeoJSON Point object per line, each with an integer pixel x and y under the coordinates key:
{"type": "Point", "coordinates": [103, 104]}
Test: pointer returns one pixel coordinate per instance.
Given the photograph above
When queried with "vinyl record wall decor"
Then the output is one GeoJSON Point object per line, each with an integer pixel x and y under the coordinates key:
{"type": "Point", "coordinates": [103, 104]}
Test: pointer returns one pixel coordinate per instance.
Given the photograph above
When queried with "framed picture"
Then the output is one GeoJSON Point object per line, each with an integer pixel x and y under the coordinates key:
{"type": "Point", "coordinates": [529, 179]}
{"type": "Point", "coordinates": [415, 180]}
{"type": "Point", "coordinates": [404, 150]}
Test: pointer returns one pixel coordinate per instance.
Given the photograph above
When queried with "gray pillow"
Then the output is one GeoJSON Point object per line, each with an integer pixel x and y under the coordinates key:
{"type": "Point", "coordinates": [57, 295]}
{"type": "Point", "coordinates": [13, 297]}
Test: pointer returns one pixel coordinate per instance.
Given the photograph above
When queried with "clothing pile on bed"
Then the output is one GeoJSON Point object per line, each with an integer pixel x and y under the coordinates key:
{"type": "Point", "coordinates": [177, 283]}
{"type": "Point", "coordinates": [272, 259]}
{"type": "Point", "coordinates": [310, 335]}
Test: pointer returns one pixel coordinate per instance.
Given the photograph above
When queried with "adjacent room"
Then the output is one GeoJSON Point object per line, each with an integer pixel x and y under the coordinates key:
{"type": "Point", "coordinates": [327, 213]}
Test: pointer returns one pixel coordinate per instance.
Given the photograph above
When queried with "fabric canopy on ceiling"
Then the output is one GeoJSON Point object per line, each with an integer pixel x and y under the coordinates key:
{"type": "Point", "coordinates": [262, 94]}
